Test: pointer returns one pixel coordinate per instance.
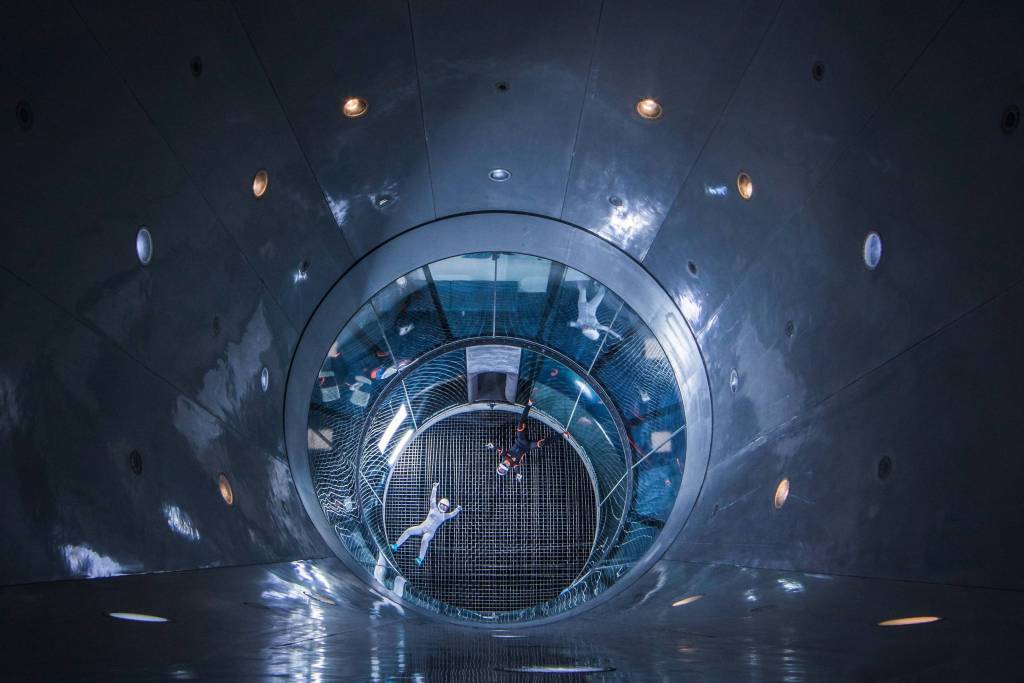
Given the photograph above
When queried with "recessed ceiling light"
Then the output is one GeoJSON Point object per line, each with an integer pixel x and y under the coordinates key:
{"type": "Point", "coordinates": [144, 246]}
{"type": "Point", "coordinates": [872, 250]}
{"type": "Point", "coordinates": [260, 183]}
{"type": "Point", "coordinates": [354, 107]}
{"type": "Point", "coordinates": [264, 379]}
{"type": "Point", "coordinates": [909, 621]}
{"type": "Point", "coordinates": [687, 600]}
{"type": "Point", "coordinates": [499, 175]}
{"type": "Point", "coordinates": [384, 200]}
{"type": "Point", "coordinates": [225, 489]}
{"type": "Point", "coordinates": [649, 108]}
{"type": "Point", "coordinates": [615, 201]}
{"type": "Point", "coordinates": [745, 185]}
{"type": "Point", "coordinates": [134, 616]}
{"type": "Point", "coordinates": [781, 493]}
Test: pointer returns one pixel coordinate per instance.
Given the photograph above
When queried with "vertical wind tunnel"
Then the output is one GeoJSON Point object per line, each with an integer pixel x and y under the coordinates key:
{"type": "Point", "coordinates": [467, 341]}
{"type": "Point", "coordinates": [423, 386]}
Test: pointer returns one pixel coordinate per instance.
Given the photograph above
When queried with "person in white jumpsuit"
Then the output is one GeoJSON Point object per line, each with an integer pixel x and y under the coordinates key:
{"type": "Point", "coordinates": [426, 529]}
{"type": "Point", "coordinates": [586, 314]}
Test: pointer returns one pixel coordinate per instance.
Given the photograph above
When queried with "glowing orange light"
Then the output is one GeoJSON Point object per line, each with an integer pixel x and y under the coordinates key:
{"type": "Point", "coordinates": [354, 107]}
{"type": "Point", "coordinates": [649, 108]}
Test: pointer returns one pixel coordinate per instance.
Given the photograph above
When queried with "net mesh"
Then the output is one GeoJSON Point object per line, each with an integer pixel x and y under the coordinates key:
{"type": "Point", "coordinates": [516, 543]}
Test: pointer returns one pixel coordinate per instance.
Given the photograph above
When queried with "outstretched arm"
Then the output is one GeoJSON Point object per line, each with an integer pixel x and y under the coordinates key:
{"type": "Point", "coordinates": [433, 495]}
{"type": "Point", "coordinates": [453, 513]}
{"type": "Point", "coordinates": [610, 331]}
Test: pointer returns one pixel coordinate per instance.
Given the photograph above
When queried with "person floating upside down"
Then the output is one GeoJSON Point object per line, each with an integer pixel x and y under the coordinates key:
{"type": "Point", "coordinates": [436, 516]}
{"type": "Point", "coordinates": [512, 457]}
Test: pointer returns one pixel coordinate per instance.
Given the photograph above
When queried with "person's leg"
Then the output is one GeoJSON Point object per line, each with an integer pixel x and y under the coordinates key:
{"type": "Point", "coordinates": [596, 301]}
{"type": "Point", "coordinates": [581, 302]}
{"type": "Point", "coordinates": [521, 426]}
{"type": "Point", "coordinates": [407, 534]}
{"type": "Point", "coordinates": [425, 546]}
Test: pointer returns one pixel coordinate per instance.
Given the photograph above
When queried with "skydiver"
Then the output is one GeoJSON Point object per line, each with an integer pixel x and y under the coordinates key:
{"type": "Point", "coordinates": [586, 314]}
{"type": "Point", "coordinates": [436, 516]}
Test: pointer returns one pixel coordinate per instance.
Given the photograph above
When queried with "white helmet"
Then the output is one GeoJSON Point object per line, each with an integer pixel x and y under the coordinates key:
{"type": "Point", "coordinates": [444, 505]}
{"type": "Point", "coordinates": [591, 333]}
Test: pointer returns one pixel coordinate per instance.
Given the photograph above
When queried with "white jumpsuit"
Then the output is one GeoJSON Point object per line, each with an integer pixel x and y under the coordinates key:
{"type": "Point", "coordinates": [586, 311]}
{"type": "Point", "coordinates": [429, 526]}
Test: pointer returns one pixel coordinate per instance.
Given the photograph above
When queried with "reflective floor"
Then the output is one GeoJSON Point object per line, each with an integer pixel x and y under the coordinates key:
{"type": "Point", "coordinates": [249, 623]}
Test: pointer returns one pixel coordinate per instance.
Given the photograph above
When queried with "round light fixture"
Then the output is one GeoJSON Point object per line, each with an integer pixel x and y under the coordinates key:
{"type": "Point", "coordinates": [734, 381]}
{"type": "Point", "coordinates": [260, 183]}
{"type": "Point", "coordinates": [872, 250]}
{"type": "Point", "coordinates": [687, 600]}
{"type": "Point", "coordinates": [264, 379]}
{"type": "Point", "coordinates": [499, 175]}
{"type": "Point", "coordinates": [781, 494]}
{"type": "Point", "coordinates": [384, 200]}
{"type": "Point", "coordinates": [649, 108]}
{"type": "Point", "coordinates": [745, 185]}
{"type": "Point", "coordinates": [135, 616]}
{"type": "Point", "coordinates": [225, 489]}
{"type": "Point", "coordinates": [909, 621]}
{"type": "Point", "coordinates": [354, 107]}
{"type": "Point", "coordinates": [144, 246]}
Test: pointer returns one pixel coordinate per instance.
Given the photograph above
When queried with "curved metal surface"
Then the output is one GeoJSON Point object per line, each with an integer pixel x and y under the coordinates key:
{"type": "Point", "coordinates": [515, 233]}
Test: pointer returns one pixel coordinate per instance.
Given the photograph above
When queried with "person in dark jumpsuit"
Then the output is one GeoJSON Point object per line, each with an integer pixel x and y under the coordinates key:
{"type": "Point", "coordinates": [512, 457]}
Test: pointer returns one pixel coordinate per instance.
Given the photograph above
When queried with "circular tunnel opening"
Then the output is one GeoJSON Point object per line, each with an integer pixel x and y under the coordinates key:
{"type": "Point", "coordinates": [426, 384]}
{"type": "Point", "coordinates": [519, 540]}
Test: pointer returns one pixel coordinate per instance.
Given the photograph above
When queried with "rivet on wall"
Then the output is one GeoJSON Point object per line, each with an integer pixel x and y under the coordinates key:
{"type": "Point", "coordinates": [23, 115]}
{"type": "Point", "coordinates": [1011, 118]}
{"type": "Point", "coordinates": [135, 462]}
{"type": "Point", "coordinates": [884, 467]}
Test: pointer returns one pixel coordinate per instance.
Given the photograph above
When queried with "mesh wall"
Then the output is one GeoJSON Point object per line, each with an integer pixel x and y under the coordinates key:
{"type": "Point", "coordinates": [374, 382]}
{"type": "Point", "coordinates": [516, 543]}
